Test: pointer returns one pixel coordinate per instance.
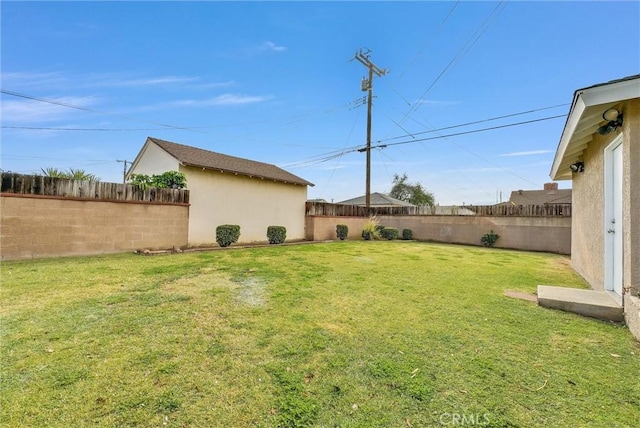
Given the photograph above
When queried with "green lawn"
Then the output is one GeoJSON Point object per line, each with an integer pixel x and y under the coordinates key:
{"type": "Point", "coordinates": [348, 334]}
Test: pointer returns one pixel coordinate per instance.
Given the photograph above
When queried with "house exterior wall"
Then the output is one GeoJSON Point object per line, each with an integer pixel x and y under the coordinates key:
{"type": "Point", "coordinates": [549, 234]}
{"type": "Point", "coordinates": [154, 160]}
{"type": "Point", "coordinates": [587, 238]}
{"type": "Point", "coordinates": [36, 227]}
{"type": "Point", "coordinates": [253, 203]}
{"type": "Point", "coordinates": [588, 245]}
{"type": "Point", "coordinates": [631, 198]}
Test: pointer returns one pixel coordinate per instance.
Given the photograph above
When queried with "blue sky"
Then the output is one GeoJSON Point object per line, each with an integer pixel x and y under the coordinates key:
{"type": "Point", "coordinates": [276, 82]}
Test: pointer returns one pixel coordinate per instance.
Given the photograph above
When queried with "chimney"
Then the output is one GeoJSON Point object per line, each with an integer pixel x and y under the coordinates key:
{"type": "Point", "coordinates": [550, 186]}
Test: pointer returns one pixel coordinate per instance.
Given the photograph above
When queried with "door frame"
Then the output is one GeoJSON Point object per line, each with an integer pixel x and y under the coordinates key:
{"type": "Point", "coordinates": [613, 242]}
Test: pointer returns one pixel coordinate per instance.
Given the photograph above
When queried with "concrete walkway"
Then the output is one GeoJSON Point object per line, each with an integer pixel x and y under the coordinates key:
{"type": "Point", "coordinates": [591, 303]}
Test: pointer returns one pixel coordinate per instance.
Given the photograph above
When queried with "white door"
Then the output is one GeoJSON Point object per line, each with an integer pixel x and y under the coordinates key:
{"type": "Point", "coordinates": [613, 217]}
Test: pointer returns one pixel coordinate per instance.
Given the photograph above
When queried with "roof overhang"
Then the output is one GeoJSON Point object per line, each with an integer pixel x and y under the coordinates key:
{"type": "Point", "coordinates": [301, 182]}
{"type": "Point", "coordinates": [585, 117]}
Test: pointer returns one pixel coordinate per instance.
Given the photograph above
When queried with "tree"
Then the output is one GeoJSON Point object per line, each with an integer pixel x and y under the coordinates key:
{"type": "Point", "coordinates": [413, 193]}
{"type": "Point", "coordinates": [167, 180]}
{"type": "Point", "coordinates": [71, 174]}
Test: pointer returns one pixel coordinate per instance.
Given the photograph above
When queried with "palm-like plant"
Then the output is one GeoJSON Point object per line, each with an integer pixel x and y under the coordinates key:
{"type": "Point", "coordinates": [71, 174]}
{"type": "Point", "coordinates": [371, 229]}
{"type": "Point", "coordinates": [53, 172]}
{"type": "Point", "coordinates": [81, 174]}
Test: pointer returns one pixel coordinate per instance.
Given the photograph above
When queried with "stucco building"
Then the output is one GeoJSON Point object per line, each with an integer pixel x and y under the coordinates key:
{"type": "Point", "coordinates": [229, 190]}
{"type": "Point", "coordinates": [599, 151]}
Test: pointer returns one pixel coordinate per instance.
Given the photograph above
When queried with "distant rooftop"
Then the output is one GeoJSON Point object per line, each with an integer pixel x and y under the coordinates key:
{"type": "Point", "coordinates": [377, 200]}
{"type": "Point", "coordinates": [550, 195]}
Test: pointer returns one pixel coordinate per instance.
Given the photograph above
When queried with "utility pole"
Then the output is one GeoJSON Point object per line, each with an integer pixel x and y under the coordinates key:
{"type": "Point", "coordinates": [124, 170]}
{"type": "Point", "coordinates": [367, 85]}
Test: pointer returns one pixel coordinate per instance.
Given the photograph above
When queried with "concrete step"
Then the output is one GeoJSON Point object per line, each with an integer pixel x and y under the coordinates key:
{"type": "Point", "coordinates": [591, 303]}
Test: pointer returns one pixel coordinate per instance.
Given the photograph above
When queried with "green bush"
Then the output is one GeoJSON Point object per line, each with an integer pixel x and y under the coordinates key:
{"type": "Point", "coordinates": [276, 234]}
{"type": "Point", "coordinates": [489, 239]}
{"type": "Point", "coordinates": [407, 234]}
{"type": "Point", "coordinates": [389, 233]}
{"type": "Point", "coordinates": [166, 180]}
{"type": "Point", "coordinates": [227, 234]}
{"type": "Point", "coordinates": [342, 230]}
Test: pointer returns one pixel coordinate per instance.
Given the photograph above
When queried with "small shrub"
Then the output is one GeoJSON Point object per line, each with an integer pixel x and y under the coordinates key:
{"type": "Point", "coordinates": [227, 234]}
{"type": "Point", "coordinates": [389, 233]}
{"type": "Point", "coordinates": [342, 230]}
{"type": "Point", "coordinates": [489, 239]}
{"type": "Point", "coordinates": [370, 229]}
{"type": "Point", "coordinates": [407, 234]}
{"type": "Point", "coordinates": [276, 234]}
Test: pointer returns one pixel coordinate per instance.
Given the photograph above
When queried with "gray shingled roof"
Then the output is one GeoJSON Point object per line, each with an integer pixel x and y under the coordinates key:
{"type": "Point", "coordinates": [193, 156]}
{"type": "Point", "coordinates": [623, 79]}
{"type": "Point", "coordinates": [377, 200]}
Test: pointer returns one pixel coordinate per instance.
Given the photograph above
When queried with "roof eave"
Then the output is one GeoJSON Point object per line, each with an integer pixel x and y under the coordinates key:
{"type": "Point", "coordinates": [583, 118]}
{"type": "Point", "coordinates": [577, 108]}
{"type": "Point", "coordinates": [230, 171]}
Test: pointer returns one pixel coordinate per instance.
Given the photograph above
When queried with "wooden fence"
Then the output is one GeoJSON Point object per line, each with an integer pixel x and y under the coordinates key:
{"type": "Point", "coordinates": [95, 190]}
{"type": "Point", "coordinates": [504, 210]}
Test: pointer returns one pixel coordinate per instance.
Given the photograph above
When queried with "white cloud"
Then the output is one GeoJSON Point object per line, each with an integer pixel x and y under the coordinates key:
{"type": "Point", "coordinates": [29, 111]}
{"type": "Point", "coordinates": [474, 170]}
{"type": "Point", "coordinates": [62, 81]}
{"type": "Point", "coordinates": [326, 167]}
{"type": "Point", "coordinates": [20, 80]}
{"type": "Point", "coordinates": [437, 102]}
{"type": "Point", "coordinates": [270, 46]}
{"type": "Point", "coordinates": [221, 100]}
{"type": "Point", "coordinates": [161, 80]}
{"type": "Point", "coordinates": [216, 85]}
{"type": "Point", "coordinates": [529, 153]}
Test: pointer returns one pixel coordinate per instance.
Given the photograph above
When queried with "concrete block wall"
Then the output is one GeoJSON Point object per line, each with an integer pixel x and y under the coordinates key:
{"type": "Point", "coordinates": [548, 234]}
{"type": "Point", "coordinates": [36, 227]}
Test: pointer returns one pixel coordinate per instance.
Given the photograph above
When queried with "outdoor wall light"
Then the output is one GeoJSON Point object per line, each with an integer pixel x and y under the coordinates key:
{"type": "Point", "coordinates": [614, 121]}
{"type": "Point", "coordinates": [577, 167]}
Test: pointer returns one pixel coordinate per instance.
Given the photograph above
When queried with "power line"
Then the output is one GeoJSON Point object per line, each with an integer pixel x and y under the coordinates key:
{"type": "Point", "coordinates": [42, 128]}
{"type": "Point", "coordinates": [490, 162]}
{"type": "Point", "coordinates": [335, 154]}
{"type": "Point", "coordinates": [350, 105]}
{"type": "Point", "coordinates": [461, 53]}
{"type": "Point", "coordinates": [29, 157]}
{"type": "Point", "coordinates": [333, 171]}
{"type": "Point", "coordinates": [471, 132]}
{"type": "Point", "coordinates": [428, 42]}
{"type": "Point", "coordinates": [474, 122]}
{"type": "Point", "coordinates": [59, 103]}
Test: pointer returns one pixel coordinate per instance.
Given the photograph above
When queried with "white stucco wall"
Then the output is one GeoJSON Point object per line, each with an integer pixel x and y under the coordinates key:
{"type": "Point", "coordinates": [253, 203]}
{"type": "Point", "coordinates": [631, 204]}
{"type": "Point", "coordinates": [154, 160]}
